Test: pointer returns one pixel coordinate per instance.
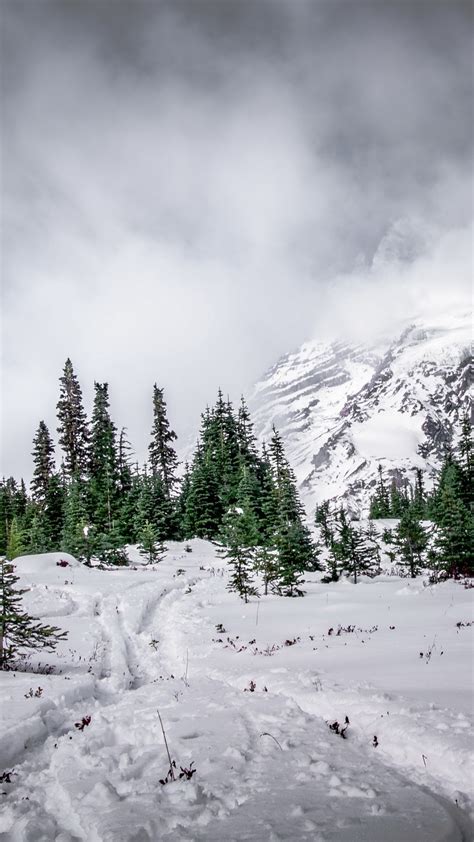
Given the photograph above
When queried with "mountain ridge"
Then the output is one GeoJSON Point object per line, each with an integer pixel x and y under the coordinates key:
{"type": "Point", "coordinates": [345, 407]}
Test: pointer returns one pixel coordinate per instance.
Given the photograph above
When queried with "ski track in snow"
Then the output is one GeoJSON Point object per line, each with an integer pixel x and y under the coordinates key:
{"type": "Point", "coordinates": [268, 767]}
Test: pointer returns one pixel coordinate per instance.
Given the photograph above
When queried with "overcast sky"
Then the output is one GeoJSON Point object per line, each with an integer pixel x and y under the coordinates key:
{"type": "Point", "coordinates": [191, 189]}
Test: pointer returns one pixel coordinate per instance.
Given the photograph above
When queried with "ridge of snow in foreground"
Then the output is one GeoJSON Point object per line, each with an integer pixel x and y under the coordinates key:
{"type": "Point", "coordinates": [268, 766]}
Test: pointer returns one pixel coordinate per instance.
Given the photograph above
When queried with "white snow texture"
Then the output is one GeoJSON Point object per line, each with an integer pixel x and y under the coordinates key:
{"type": "Point", "coordinates": [246, 693]}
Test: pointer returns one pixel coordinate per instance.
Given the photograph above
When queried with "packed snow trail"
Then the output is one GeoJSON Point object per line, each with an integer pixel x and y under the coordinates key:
{"type": "Point", "coordinates": [246, 694]}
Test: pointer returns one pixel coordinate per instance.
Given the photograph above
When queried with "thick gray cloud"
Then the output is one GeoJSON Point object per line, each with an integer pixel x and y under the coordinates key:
{"type": "Point", "coordinates": [193, 188]}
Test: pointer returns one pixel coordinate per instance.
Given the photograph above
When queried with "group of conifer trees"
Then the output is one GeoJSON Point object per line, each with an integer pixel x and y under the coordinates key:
{"type": "Point", "coordinates": [98, 500]}
{"type": "Point", "coordinates": [435, 529]}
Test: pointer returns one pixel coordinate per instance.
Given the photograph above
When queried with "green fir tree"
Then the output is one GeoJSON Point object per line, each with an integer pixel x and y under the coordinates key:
{"type": "Point", "coordinates": [16, 540]}
{"type": "Point", "coordinates": [239, 537]}
{"type": "Point", "coordinates": [72, 423]}
{"type": "Point", "coordinates": [19, 632]}
{"type": "Point", "coordinates": [411, 540]}
{"type": "Point", "coordinates": [77, 535]}
{"type": "Point", "coordinates": [163, 458]}
{"type": "Point", "coordinates": [150, 545]}
{"type": "Point", "coordinates": [38, 539]}
{"type": "Point", "coordinates": [103, 463]}
{"type": "Point", "coordinates": [43, 459]}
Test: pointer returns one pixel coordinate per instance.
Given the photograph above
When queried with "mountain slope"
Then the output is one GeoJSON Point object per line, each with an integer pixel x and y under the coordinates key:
{"type": "Point", "coordinates": [344, 409]}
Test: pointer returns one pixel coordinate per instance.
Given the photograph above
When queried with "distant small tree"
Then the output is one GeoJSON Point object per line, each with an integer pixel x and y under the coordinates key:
{"type": "Point", "coordinates": [355, 551]}
{"type": "Point", "coordinates": [380, 502]}
{"type": "Point", "coordinates": [419, 495]}
{"type": "Point", "coordinates": [373, 540]}
{"type": "Point", "coordinates": [399, 501]}
{"type": "Point", "coordinates": [150, 545]}
{"type": "Point", "coordinates": [410, 539]}
{"type": "Point", "coordinates": [18, 630]}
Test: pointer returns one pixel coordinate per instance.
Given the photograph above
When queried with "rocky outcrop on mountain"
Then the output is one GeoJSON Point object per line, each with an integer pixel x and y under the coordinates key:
{"type": "Point", "coordinates": [343, 409]}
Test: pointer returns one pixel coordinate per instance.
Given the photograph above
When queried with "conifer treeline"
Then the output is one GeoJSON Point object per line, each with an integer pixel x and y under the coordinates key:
{"type": "Point", "coordinates": [98, 501]}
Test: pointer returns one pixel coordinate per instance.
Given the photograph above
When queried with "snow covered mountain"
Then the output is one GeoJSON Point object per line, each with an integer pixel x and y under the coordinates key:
{"type": "Point", "coordinates": [343, 409]}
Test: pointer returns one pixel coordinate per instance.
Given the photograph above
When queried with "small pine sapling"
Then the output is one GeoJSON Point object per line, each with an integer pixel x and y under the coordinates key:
{"type": "Point", "coordinates": [150, 546]}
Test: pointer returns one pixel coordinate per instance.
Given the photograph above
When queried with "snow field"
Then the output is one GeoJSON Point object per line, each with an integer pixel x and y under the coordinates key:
{"type": "Point", "coordinates": [268, 766]}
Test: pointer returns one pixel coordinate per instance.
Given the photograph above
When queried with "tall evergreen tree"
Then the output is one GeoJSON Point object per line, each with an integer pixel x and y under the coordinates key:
{"type": "Point", "coordinates": [124, 468]}
{"type": "Point", "coordinates": [246, 440]}
{"type": "Point", "coordinates": [72, 427]}
{"type": "Point", "coordinates": [163, 458]}
{"type": "Point", "coordinates": [293, 558]}
{"type": "Point", "coordinates": [248, 491]}
{"type": "Point", "coordinates": [323, 520]}
{"type": "Point", "coordinates": [13, 505]}
{"type": "Point", "coordinates": [103, 463]}
{"type": "Point", "coordinates": [220, 446]}
{"type": "Point", "coordinates": [77, 535]}
{"type": "Point", "coordinates": [296, 550]}
{"type": "Point", "coordinates": [20, 502]}
{"type": "Point", "coordinates": [203, 513]}
{"type": "Point", "coordinates": [372, 538]}
{"type": "Point", "coordinates": [455, 530]}
{"type": "Point", "coordinates": [239, 536]}
{"type": "Point", "coordinates": [130, 519]}
{"type": "Point", "coordinates": [54, 502]}
{"type": "Point", "coordinates": [399, 500]}
{"type": "Point", "coordinates": [152, 505]}
{"type": "Point", "coordinates": [380, 502]}
{"type": "Point", "coordinates": [355, 551]}
{"type": "Point", "coordinates": [182, 502]}
{"type": "Point", "coordinates": [419, 495]}
{"type": "Point", "coordinates": [43, 458]}
{"type": "Point", "coordinates": [266, 508]}
{"type": "Point", "coordinates": [266, 503]}
{"type": "Point", "coordinates": [411, 540]}
{"type": "Point", "coordinates": [466, 463]}
{"type": "Point", "coordinates": [449, 477]}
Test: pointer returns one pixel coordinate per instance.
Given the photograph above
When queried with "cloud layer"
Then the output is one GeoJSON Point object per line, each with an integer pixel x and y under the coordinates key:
{"type": "Point", "coordinates": [193, 188]}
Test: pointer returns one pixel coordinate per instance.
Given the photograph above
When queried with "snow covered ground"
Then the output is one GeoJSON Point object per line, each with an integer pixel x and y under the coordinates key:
{"type": "Point", "coordinates": [246, 693]}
